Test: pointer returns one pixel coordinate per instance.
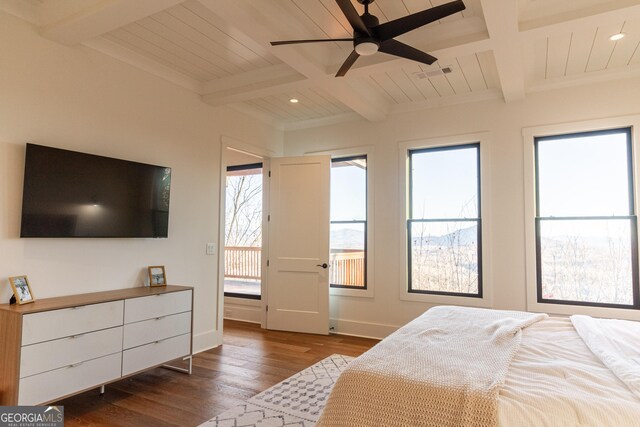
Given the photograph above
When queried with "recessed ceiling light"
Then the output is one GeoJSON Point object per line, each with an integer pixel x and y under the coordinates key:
{"type": "Point", "coordinates": [617, 37]}
{"type": "Point", "coordinates": [294, 100]}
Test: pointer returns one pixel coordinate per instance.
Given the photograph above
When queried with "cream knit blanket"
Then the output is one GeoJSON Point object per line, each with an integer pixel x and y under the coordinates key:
{"type": "Point", "coordinates": [444, 368]}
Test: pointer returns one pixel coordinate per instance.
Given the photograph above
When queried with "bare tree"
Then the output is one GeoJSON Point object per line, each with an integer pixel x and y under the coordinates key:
{"type": "Point", "coordinates": [244, 210]}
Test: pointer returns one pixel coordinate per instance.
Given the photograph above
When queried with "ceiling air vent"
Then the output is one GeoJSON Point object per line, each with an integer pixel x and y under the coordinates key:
{"type": "Point", "coordinates": [432, 73]}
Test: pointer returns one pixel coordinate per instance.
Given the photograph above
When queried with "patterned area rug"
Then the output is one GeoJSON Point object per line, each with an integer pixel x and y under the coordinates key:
{"type": "Point", "coordinates": [296, 401]}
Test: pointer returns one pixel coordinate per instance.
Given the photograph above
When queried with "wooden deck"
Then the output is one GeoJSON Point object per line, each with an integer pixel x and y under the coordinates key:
{"type": "Point", "coordinates": [250, 361]}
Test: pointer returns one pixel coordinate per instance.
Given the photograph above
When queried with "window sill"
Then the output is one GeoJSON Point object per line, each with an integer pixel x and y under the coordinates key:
{"type": "Point", "coordinates": [345, 292]}
{"type": "Point", "coordinates": [483, 302]}
{"type": "Point", "coordinates": [567, 310]}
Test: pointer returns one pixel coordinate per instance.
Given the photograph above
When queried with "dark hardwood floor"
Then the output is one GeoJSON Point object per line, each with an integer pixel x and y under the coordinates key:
{"type": "Point", "coordinates": [250, 361]}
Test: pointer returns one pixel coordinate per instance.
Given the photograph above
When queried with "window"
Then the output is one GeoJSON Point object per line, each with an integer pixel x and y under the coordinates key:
{"type": "Point", "coordinates": [585, 225]}
{"type": "Point", "coordinates": [243, 232]}
{"type": "Point", "coordinates": [348, 239]}
{"type": "Point", "coordinates": [443, 222]}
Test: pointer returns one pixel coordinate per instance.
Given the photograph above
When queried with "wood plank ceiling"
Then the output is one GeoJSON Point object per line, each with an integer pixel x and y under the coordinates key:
{"type": "Point", "coordinates": [495, 49]}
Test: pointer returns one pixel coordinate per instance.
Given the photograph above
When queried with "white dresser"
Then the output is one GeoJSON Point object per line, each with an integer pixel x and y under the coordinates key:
{"type": "Point", "coordinates": [57, 347]}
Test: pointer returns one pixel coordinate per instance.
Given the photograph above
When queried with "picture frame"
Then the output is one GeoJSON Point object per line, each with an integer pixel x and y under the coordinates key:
{"type": "Point", "coordinates": [21, 289]}
{"type": "Point", "coordinates": [157, 276]}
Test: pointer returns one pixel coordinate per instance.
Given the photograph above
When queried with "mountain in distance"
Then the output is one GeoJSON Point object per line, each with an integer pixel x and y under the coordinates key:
{"type": "Point", "coordinates": [347, 238]}
{"type": "Point", "coordinates": [463, 237]}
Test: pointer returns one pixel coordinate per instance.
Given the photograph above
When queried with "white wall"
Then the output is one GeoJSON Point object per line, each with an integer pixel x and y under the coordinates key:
{"type": "Point", "coordinates": [383, 312]}
{"type": "Point", "coordinates": [78, 99]}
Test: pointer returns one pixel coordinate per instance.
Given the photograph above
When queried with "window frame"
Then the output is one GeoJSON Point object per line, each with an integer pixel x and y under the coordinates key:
{"type": "Point", "coordinates": [235, 168]}
{"type": "Point", "coordinates": [530, 134]}
{"type": "Point", "coordinates": [631, 216]}
{"type": "Point", "coordinates": [369, 151]}
{"type": "Point", "coordinates": [477, 220]}
{"type": "Point", "coordinates": [337, 159]}
{"type": "Point", "coordinates": [483, 141]}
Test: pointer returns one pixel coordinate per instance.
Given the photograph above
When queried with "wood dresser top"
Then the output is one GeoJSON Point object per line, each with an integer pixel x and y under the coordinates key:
{"type": "Point", "coordinates": [57, 303]}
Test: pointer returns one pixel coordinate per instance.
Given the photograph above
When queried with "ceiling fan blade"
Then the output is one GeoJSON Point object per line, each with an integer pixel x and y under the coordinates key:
{"type": "Point", "coordinates": [278, 43]}
{"type": "Point", "coordinates": [394, 47]}
{"type": "Point", "coordinates": [399, 26]}
{"type": "Point", "coordinates": [353, 17]}
{"type": "Point", "coordinates": [347, 64]}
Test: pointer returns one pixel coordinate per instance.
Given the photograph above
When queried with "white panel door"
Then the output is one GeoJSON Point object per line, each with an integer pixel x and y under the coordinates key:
{"type": "Point", "coordinates": [298, 279]}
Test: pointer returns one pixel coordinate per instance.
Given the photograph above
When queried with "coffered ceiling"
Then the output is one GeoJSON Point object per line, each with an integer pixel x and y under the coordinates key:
{"type": "Point", "coordinates": [219, 49]}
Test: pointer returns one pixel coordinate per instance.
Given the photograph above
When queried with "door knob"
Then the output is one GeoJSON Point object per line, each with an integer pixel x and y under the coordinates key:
{"type": "Point", "coordinates": [324, 265]}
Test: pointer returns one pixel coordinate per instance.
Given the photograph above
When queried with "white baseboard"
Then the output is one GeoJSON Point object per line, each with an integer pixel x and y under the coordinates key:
{"type": "Point", "coordinates": [361, 329]}
{"type": "Point", "coordinates": [205, 341]}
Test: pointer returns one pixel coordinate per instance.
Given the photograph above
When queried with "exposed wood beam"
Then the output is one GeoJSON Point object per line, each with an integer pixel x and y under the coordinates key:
{"type": "Point", "coordinates": [257, 83]}
{"type": "Point", "coordinates": [501, 18]}
{"type": "Point", "coordinates": [103, 18]}
{"type": "Point", "coordinates": [253, 77]}
{"type": "Point", "coordinates": [250, 24]}
{"type": "Point", "coordinates": [628, 72]}
{"type": "Point", "coordinates": [257, 90]}
{"type": "Point", "coordinates": [277, 79]}
{"type": "Point", "coordinates": [487, 95]}
{"type": "Point", "coordinates": [382, 63]}
{"type": "Point", "coordinates": [144, 63]}
{"type": "Point", "coordinates": [567, 23]}
{"type": "Point", "coordinates": [322, 121]}
{"type": "Point", "coordinates": [22, 9]}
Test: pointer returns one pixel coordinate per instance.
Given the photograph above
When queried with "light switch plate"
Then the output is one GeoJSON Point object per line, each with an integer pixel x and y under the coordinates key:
{"type": "Point", "coordinates": [211, 248]}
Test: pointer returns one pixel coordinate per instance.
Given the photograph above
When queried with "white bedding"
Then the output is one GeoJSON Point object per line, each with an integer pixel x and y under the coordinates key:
{"type": "Point", "coordinates": [617, 345]}
{"type": "Point", "coordinates": [420, 374]}
{"type": "Point", "coordinates": [555, 380]}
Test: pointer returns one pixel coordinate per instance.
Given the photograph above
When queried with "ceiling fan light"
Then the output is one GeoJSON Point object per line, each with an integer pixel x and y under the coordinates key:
{"type": "Point", "coordinates": [367, 48]}
{"type": "Point", "coordinates": [616, 37]}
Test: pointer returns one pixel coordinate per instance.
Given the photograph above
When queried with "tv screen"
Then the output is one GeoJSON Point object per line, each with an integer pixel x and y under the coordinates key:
{"type": "Point", "coordinates": [71, 194]}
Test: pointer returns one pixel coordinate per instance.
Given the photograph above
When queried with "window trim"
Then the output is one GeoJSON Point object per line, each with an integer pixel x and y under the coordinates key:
{"type": "Point", "coordinates": [369, 152]}
{"type": "Point", "coordinates": [530, 209]}
{"type": "Point", "coordinates": [364, 222]}
{"type": "Point", "coordinates": [477, 220]}
{"type": "Point", "coordinates": [630, 216]}
{"type": "Point", "coordinates": [235, 168]}
{"type": "Point", "coordinates": [483, 140]}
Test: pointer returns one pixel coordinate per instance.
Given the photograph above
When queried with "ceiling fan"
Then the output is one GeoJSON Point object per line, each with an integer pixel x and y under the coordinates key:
{"type": "Point", "coordinates": [369, 36]}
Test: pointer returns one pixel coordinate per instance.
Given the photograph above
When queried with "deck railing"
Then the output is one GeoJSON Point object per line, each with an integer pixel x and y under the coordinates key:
{"type": "Point", "coordinates": [242, 262]}
{"type": "Point", "coordinates": [346, 266]}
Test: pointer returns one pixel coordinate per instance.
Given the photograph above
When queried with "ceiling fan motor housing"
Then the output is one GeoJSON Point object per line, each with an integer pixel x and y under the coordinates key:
{"type": "Point", "coordinates": [365, 44]}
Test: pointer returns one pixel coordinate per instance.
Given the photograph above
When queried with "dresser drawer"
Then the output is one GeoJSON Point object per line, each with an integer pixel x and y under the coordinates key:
{"type": "Point", "coordinates": [50, 325]}
{"type": "Point", "coordinates": [50, 355]}
{"type": "Point", "coordinates": [145, 308]}
{"type": "Point", "coordinates": [157, 329]}
{"type": "Point", "coordinates": [51, 385]}
{"type": "Point", "coordinates": [139, 358]}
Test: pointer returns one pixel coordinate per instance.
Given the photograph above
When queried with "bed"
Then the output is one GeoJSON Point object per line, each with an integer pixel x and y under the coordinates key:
{"type": "Point", "coordinates": [472, 367]}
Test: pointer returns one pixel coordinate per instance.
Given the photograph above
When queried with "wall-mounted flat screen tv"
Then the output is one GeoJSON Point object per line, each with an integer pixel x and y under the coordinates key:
{"type": "Point", "coordinates": [71, 194]}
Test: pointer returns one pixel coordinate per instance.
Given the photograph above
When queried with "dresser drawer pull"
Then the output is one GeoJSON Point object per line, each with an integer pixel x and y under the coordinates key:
{"type": "Point", "coordinates": [160, 318]}
{"type": "Point", "coordinates": [73, 337]}
{"type": "Point", "coordinates": [159, 341]}
{"type": "Point", "coordinates": [74, 365]}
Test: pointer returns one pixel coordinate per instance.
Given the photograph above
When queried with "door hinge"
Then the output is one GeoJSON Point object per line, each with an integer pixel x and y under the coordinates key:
{"type": "Point", "coordinates": [267, 308]}
{"type": "Point", "coordinates": [269, 174]}
{"type": "Point", "coordinates": [268, 217]}
{"type": "Point", "coordinates": [267, 263]}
